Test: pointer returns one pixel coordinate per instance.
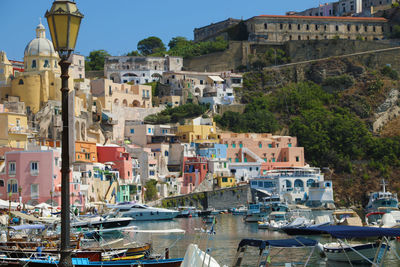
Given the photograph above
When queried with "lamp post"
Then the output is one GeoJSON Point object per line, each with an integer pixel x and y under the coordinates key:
{"type": "Point", "coordinates": [64, 20]}
{"type": "Point", "coordinates": [9, 213]}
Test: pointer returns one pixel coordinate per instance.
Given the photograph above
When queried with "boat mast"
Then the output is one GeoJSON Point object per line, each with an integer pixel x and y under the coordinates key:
{"type": "Point", "coordinates": [383, 185]}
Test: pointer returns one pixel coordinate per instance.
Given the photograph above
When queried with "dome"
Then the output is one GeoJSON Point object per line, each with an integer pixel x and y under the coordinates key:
{"type": "Point", "coordinates": [40, 45]}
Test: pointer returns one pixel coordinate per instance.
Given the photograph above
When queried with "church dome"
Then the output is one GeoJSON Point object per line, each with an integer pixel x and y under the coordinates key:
{"type": "Point", "coordinates": [40, 45]}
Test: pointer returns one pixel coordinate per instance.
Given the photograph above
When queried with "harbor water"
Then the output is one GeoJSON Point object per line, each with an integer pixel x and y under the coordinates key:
{"type": "Point", "coordinates": [230, 230]}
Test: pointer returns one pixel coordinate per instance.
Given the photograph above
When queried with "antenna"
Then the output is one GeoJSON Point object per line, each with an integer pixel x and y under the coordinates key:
{"type": "Point", "coordinates": [384, 185]}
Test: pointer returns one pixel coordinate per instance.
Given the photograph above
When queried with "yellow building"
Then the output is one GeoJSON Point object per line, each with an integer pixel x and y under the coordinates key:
{"type": "Point", "coordinates": [200, 130]}
{"type": "Point", "coordinates": [6, 69]}
{"type": "Point", "coordinates": [14, 130]}
{"type": "Point", "coordinates": [40, 81]}
{"type": "Point", "coordinates": [223, 182]}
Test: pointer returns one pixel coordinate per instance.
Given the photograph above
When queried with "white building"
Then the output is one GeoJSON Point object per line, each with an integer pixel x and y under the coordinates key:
{"type": "Point", "coordinates": [139, 70]}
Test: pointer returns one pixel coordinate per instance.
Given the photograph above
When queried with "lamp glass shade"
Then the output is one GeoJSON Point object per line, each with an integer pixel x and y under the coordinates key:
{"type": "Point", "coordinates": [64, 20]}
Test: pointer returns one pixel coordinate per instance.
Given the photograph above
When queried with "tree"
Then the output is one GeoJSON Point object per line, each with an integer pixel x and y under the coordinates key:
{"type": "Point", "coordinates": [133, 53]}
{"type": "Point", "coordinates": [95, 60]}
{"type": "Point", "coordinates": [179, 40]}
{"type": "Point", "coordinates": [151, 190]}
{"type": "Point", "coordinates": [150, 46]}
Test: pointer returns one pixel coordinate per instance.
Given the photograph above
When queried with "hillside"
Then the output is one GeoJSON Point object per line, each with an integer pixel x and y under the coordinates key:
{"type": "Point", "coordinates": [344, 113]}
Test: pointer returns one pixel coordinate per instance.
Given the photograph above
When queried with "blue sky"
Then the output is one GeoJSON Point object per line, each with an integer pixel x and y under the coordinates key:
{"type": "Point", "coordinates": [118, 25]}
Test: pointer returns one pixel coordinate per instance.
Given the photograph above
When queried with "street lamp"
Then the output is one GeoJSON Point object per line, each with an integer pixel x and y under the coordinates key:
{"type": "Point", "coordinates": [64, 20]}
{"type": "Point", "coordinates": [19, 194]}
{"type": "Point", "coordinates": [9, 213]}
{"type": "Point", "coordinates": [51, 200]}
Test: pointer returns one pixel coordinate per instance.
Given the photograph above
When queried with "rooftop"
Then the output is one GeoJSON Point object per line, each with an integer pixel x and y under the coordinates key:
{"type": "Point", "coordinates": [323, 18]}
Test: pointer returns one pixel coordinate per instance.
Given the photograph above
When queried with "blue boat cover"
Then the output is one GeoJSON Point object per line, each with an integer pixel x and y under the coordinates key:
{"type": "Point", "coordinates": [345, 231]}
{"type": "Point", "coordinates": [28, 227]}
{"type": "Point", "coordinates": [281, 243]}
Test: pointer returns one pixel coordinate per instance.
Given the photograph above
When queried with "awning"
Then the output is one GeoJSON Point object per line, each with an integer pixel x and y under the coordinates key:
{"type": "Point", "coordinates": [25, 216]}
{"type": "Point", "coordinates": [107, 115]}
{"type": "Point", "coordinates": [280, 243]}
{"type": "Point", "coordinates": [345, 231]}
{"type": "Point", "coordinates": [216, 78]}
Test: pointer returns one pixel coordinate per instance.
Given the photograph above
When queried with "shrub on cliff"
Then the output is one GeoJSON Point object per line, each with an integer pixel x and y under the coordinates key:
{"type": "Point", "coordinates": [339, 83]}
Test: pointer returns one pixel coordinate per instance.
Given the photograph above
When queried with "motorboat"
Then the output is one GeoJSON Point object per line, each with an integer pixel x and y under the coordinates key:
{"type": "Point", "coordinates": [276, 220]}
{"type": "Point", "coordinates": [187, 212]}
{"type": "Point", "coordinates": [340, 252]}
{"type": "Point", "coordinates": [382, 201]}
{"type": "Point", "coordinates": [300, 226]}
{"type": "Point", "coordinates": [109, 221]}
{"type": "Point", "coordinates": [142, 212]}
{"type": "Point", "coordinates": [269, 248]}
{"type": "Point", "coordinates": [242, 210]}
{"type": "Point", "coordinates": [195, 257]}
{"type": "Point", "coordinates": [346, 217]}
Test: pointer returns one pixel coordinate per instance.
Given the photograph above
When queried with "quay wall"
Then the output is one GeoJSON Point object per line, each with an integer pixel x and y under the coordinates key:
{"type": "Point", "coordinates": [218, 199]}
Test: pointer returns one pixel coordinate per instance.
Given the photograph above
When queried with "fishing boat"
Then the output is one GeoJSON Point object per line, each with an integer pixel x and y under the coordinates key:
{"type": "Point", "coordinates": [382, 201]}
{"type": "Point", "coordinates": [187, 212]}
{"type": "Point", "coordinates": [143, 212]}
{"type": "Point", "coordinates": [255, 213]}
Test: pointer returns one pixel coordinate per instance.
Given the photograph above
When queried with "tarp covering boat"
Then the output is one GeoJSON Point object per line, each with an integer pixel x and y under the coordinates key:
{"type": "Point", "coordinates": [345, 231]}
{"type": "Point", "coordinates": [26, 216]}
{"type": "Point", "coordinates": [28, 227]}
{"type": "Point", "coordinates": [280, 243]}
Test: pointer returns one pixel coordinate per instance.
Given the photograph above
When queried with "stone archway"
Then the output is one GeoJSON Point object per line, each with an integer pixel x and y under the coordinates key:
{"type": "Point", "coordinates": [136, 103]}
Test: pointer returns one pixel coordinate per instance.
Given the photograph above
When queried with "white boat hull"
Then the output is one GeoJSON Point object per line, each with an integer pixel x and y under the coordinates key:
{"type": "Point", "coordinates": [336, 252]}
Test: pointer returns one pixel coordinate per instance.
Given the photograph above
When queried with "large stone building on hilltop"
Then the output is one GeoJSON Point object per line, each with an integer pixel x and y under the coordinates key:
{"type": "Point", "coordinates": [278, 29]}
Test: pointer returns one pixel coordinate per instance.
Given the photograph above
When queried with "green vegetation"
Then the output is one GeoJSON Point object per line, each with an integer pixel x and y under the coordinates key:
{"type": "Point", "coordinates": [151, 190]}
{"type": "Point", "coordinates": [95, 60]}
{"type": "Point", "coordinates": [151, 45]}
{"type": "Point", "coordinates": [332, 136]}
{"type": "Point", "coordinates": [180, 46]}
{"type": "Point", "coordinates": [177, 114]}
{"type": "Point", "coordinates": [339, 83]}
{"type": "Point", "coordinates": [256, 118]}
{"type": "Point", "coordinates": [389, 72]}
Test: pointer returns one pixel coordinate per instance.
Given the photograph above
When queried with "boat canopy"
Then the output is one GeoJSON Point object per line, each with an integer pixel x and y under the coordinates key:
{"type": "Point", "coordinates": [346, 231]}
{"type": "Point", "coordinates": [28, 227]}
{"type": "Point", "coordinates": [279, 243]}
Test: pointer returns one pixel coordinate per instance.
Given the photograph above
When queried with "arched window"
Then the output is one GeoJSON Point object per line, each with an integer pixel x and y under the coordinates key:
{"type": "Point", "coordinates": [12, 186]}
{"type": "Point", "coordinates": [21, 81]}
{"type": "Point", "coordinates": [298, 183]}
{"type": "Point", "coordinates": [46, 64]}
{"type": "Point", "coordinates": [288, 184]}
{"type": "Point", "coordinates": [33, 64]}
{"type": "Point", "coordinates": [310, 182]}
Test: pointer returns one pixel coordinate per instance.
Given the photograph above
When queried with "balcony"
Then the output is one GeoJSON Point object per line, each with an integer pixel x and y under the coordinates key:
{"type": "Point", "coordinates": [17, 130]}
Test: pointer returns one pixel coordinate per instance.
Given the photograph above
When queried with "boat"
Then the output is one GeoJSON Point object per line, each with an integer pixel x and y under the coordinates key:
{"type": "Point", "coordinates": [382, 201]}
{"type": "Point", "coordinates": [110, 221]}
{"type": "Point", "coordinates": [266, 247]}
{"type": "Point", "coordinates": [142, 212]}
{"type": "Point", "coordinates": [344, 251]}
{"type": "Point", "coordinates": [195, 257]}
{"type": "Point", "coordinates": [301, 227]}
{"type": "Point", "coordinates": [187, 212]}
{"type": "Point", "coordinates": [209, 219]}
{"type": "Point", "coordinates": [346, 217]}
{"type": "Point", "coordinates": [276, 220]}
{"type": "Point", "coordinates": [83, 262]}
{"type": "Point", "coordinates": [255, 214]}
{"type": "Point", "coordinates": [340, 252]}
{"type": "Point", "coordinates": [241, 210]}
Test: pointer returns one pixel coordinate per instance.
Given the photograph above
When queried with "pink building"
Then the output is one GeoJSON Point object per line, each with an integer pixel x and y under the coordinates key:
{"type": "Point", "coordinates": [121, 159]}
{"type": "Point", "coordinates": [33, 175]}
{"type": "Point", "coordinates": [273, 150]}
{"type": "Point", "coordinates": [194, 172]}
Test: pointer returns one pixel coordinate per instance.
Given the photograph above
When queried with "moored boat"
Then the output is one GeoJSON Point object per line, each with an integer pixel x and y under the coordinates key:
{"type": "Point", "coordinates": [143, 212]}
{"type": "Point", "coordinates": [382, 201]}
{"type": "Point", "coordinates": [340, 252]}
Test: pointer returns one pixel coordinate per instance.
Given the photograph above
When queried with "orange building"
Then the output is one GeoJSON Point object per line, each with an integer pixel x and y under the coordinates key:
{"type": "Point", "coordinates": [85, 151]}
